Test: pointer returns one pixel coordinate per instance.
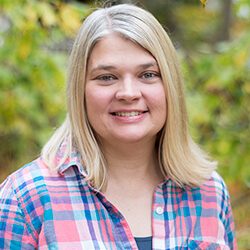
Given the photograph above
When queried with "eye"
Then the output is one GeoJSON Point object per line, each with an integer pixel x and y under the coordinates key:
{"type": "Point", "coordinates": [150, 75]}
{"type": "Point", "coordinates": [106, 78]}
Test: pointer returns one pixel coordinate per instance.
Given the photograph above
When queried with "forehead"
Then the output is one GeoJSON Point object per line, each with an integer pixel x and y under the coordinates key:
{"type": "Point", "coordinates": [114, 48]}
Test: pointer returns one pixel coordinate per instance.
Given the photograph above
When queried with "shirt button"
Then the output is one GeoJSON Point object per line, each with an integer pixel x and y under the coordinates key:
{"type": "Point", "coordinates": [159, 210]}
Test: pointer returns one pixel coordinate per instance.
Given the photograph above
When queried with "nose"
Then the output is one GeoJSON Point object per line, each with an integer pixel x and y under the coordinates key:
{"type": "Point", "coordinates": [128, 90]}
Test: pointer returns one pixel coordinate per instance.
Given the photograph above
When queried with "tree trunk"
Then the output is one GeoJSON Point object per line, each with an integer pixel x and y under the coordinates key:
{"type": "Point", "coordinates": [226, 21]}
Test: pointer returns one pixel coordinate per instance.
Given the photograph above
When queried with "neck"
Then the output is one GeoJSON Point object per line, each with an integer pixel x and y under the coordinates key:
{"type": "Point", "coordinates": [134, 162]}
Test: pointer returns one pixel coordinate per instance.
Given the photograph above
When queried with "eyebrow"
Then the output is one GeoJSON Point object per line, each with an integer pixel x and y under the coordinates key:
{"type": "Point", "coordinates": [111, 67]}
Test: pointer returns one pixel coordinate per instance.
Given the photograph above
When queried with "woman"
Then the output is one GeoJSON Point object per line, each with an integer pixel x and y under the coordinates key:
{"type": "Point", "coordinates": [122, 171]}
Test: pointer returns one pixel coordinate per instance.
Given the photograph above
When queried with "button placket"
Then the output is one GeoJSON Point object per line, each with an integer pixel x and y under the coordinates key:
{"type": "Point", "coordinates": [158, 225]}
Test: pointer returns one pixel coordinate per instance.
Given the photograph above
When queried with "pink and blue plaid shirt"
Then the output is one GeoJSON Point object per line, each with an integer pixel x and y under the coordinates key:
{"type": "Point", "coordinates": [42, 209]}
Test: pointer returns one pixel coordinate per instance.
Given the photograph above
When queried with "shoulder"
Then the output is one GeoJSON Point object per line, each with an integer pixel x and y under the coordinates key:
{"type": "Point", "coordinates": [35, 180]}
{"type": "Point", "coordinates": [25, 191]}
{"type": "Point", "coordinates": [215, 186]}
{"type": "Point", "coordinates": [216, 180]}
{"type": "Point", "coordinates": [30, 177]}
{"type": "Point", "coordinates": [21, 209]}
{"type": "Point", "coordinates": [30, 192]}
{"type": "Point", "coordinates": [35, 186]}
{"type": "Point", "coordinates": [25, 185]}
{"type": "Point", "coordinates": [212, 196]}
{"type": "Point", "coordinates": [212, 193]}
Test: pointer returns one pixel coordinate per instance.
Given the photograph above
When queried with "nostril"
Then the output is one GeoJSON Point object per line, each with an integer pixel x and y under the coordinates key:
{"type": "Point", "coordinates": [128, 95]}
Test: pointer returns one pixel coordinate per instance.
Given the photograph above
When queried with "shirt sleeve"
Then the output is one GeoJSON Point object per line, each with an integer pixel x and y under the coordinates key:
{"type": "Point", "coordinates": [15, 232]}
{"type": "Point", "coordinates": [226, 214]}
{"type": "Point", "coordinates": [229, 226]}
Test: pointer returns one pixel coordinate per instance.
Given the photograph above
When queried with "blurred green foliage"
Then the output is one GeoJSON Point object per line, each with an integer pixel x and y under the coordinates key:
{"type": "Point", "coordinates": [218, 87]}
{"type": "Point", "coordinates": [219, 92]}
{"type": "Point", "coordinates": [35, 37]}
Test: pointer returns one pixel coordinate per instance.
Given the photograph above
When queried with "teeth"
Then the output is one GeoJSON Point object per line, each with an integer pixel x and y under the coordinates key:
{"type": "Point", "coordinates": [133, 113]}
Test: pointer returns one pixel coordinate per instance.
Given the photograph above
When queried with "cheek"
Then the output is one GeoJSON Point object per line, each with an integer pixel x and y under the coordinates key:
{"type": "Point", "coordinates": [96, 100]}
{"type": "Point", "coordinates": [159, 105]}
{"type": "Point", "coordinates": [158, 99]}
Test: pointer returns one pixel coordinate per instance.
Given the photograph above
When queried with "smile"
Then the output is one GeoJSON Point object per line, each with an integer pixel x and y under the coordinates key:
{"type": "Point", "coordinates": [128, 114]}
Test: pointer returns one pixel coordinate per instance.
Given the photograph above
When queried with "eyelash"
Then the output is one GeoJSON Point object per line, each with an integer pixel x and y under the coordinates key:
{"type": "Point", "coordinates": [152, 75]}
{"type": "Point", "coordinates": [148, 75]}
{"type": "Point", "coordinates": [106, 77]}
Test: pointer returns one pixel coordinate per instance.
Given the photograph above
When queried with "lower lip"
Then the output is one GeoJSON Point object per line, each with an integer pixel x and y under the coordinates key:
{"type": "Point", "coordinates": [129, 119]}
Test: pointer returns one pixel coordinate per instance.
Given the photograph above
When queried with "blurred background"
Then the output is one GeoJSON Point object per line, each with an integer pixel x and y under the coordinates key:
{"type": "Point", "coordinates": [213, 44]}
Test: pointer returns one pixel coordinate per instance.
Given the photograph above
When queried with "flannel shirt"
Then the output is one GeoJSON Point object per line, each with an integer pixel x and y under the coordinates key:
{"type": "Point", "coordinates": [45, 209]}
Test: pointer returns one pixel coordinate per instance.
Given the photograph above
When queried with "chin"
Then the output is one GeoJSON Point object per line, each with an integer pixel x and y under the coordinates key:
{"type": "Point", "coordinates": [132, 138]}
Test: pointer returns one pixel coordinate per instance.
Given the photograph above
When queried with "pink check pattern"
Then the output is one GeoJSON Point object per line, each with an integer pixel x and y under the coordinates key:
{"type": "Point", "coordinates": [44, 209]}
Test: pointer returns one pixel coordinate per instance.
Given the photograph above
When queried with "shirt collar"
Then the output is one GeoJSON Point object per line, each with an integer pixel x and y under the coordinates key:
{"type": "Point", "coordinates": [65, 160]}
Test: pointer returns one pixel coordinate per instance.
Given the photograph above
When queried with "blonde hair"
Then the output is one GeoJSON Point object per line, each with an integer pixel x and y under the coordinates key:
{"type": "Point", "coordinates": [179, 157]}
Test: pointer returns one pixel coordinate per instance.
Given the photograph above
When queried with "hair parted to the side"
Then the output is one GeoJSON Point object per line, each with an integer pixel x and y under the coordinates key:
{"type": "Point", "coordinates": [180, 158]}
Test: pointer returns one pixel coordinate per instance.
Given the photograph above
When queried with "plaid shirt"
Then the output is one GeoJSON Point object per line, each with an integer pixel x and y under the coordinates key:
{"type": "Point", "coordinates": [45, 209]}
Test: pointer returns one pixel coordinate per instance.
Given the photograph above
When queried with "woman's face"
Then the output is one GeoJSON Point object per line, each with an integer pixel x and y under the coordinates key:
{"type": "Point", "coordinates": [125, 98]}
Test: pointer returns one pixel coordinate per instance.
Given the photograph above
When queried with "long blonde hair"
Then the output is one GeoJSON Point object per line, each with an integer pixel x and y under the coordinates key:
{"type": "Point", "coordinates": [179, 157]}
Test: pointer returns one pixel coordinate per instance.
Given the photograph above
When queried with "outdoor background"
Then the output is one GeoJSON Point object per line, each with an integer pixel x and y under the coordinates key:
{"type": "Point", "coordinates": [213, 44]}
